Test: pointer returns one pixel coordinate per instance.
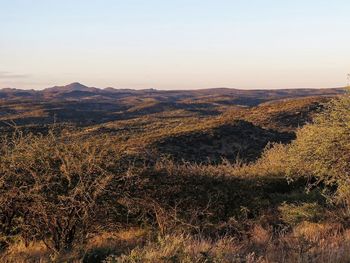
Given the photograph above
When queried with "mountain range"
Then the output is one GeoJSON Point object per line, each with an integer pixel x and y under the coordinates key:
{"type": "Point", "coordinates": [79, 92]}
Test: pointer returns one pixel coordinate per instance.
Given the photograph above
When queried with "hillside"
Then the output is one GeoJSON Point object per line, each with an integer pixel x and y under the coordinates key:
{"type": "Point", "coordinates": [193, 125]}
{"type": "Point", "coordinates": [83, 105]}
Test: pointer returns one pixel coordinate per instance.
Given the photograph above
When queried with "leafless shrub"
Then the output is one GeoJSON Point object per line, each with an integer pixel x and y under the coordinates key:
{"type": "Point", "coordinates": [50, 185]}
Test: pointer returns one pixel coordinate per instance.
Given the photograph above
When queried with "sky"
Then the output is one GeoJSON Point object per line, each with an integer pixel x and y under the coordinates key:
{"type": "Point", "coordinates": [178, 44]}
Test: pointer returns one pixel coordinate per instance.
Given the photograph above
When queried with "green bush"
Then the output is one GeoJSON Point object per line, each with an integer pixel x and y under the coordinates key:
{"type": "Point", "coordinates": [294, 214]}
{"type": "Point", "coordinates": [322, 150]}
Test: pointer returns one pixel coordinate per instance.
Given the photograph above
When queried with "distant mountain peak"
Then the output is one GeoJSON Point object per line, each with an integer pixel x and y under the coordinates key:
{"type": "Point", "coordinates": [75, 86]}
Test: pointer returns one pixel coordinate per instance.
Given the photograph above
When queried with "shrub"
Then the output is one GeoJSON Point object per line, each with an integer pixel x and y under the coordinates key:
{"type": "Point", "coordinates": [273, 161]}
{"type": "Point", "coordinates": [322, 150]}
{"type": "Point", "coordinates": [50, 185]}
{"type": "Point", "coordinates": [294, 214]}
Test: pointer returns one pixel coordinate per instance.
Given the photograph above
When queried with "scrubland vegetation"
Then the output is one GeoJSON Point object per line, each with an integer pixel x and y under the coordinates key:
{"type": "Point", "coordinates": [71, 198]}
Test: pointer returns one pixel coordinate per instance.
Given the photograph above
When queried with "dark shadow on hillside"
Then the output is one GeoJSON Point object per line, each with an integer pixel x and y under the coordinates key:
{"type": "Point", "coordinates": [201, 200]}
{"type": "Point", "coordinates": [240, 139]}
{"type": "Point", "coordinates": [297, 118]}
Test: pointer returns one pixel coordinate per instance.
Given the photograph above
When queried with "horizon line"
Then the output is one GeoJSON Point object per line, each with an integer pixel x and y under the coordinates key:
{"type": "Point", "coordinates": [171, 89]}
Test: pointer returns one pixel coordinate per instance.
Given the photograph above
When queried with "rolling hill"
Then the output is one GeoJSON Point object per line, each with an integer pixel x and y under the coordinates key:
{"type": "Point", "coordinates": [192, 125]}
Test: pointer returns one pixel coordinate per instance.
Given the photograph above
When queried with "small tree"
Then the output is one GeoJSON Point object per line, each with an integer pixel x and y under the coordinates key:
{"type": "Point", "coordinates": [50, 186]}
{"type": "Point", "coordinates": [322, 150]}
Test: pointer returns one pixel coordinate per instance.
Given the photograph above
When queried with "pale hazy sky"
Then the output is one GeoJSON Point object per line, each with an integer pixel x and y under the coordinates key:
{"type": "Point", "coordinates": [168, 44]}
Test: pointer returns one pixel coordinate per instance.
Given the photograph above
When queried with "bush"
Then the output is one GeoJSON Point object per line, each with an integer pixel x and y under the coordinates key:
{"type": "Point", "coordinates": [322, 150]}
{"type": "Point", "coordinates": [50, 185]}
{"type": "Point", "coordinates": [293, 214]}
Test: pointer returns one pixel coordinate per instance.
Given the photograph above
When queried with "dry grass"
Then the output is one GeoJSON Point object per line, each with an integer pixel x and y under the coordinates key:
{"type": "Point", "coordinates": [311, 242]}
{"type": "Point", "coordinates": [98, 245]}
{"type": "Point", "coordinates": [32, 252]}
{"type": "Point", "coordinates": [308, 243]}
{"type": "Point", "coordinates": [182, 248]}
{"type": "Point", "coordinates": [118, 241]}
